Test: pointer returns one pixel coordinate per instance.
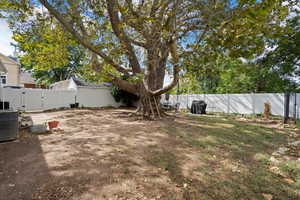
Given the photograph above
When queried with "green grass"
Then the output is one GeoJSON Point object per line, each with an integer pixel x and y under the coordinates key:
{"type": "Point", "coordinates": [235, 160]}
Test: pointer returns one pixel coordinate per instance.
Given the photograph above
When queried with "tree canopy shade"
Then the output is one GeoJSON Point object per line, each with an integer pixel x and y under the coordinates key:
{"type": "Point", "coordinates": [142, 39]}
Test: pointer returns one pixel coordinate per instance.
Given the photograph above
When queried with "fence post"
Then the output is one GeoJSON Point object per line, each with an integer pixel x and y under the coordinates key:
{"type": "Point", "coordinates": [286, 107]}
{"type": "Point", "coordinates": [23, 96]}
{"type": "Point", "coordinates": [295, 107]}
{"type": "Point", "coordinates": [187, 101]}
{"type": "Point", "coordinates": [253, 103]}
{"type": "Point", "coordinates": [42, 100]}
{"type": "Point", "coordinates": [228, 103]}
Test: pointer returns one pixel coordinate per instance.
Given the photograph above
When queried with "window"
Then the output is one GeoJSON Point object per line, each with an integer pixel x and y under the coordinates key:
{"type": "Point", "coordinates": [3, 79]}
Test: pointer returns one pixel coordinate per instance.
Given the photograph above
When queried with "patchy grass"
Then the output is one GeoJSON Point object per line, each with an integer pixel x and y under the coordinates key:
{"type": "Point", "coordinates": [234, 159]}
{"type": "Point", "coordinates": [110, 155]}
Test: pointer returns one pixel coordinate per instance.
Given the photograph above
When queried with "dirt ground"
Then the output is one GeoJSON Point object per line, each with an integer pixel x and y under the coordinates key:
{"type": "Point", "coordinates": [106, 154]}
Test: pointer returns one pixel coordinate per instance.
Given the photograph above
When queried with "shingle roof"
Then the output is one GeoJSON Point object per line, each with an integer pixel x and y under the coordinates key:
{"type": "Point", "coordinates": [10, 58]}
{"type": "Point", "coordinates": [80, 82]}
{"type": "Point", "coordinates": [26, 77]}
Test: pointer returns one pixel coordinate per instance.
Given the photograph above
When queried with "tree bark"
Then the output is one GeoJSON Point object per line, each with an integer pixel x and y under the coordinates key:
{"type": "Point", "coordinates": [149, 105]}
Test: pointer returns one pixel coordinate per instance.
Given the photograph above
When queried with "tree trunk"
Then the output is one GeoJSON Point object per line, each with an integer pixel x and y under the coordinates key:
{"type": "Point", "coordinates": [149, 106]}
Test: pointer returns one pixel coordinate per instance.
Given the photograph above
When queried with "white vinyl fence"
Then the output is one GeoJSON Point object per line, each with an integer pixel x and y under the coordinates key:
{"type": "Point", "coordinates": [44, 99]}
{"type": "Point", "coordinates": [239, 103]}
{"type": "Point", "coordinates": [95, 97]}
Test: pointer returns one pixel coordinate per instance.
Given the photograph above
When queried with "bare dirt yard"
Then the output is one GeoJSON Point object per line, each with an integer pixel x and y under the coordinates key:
{"type": "Point", "coordinates": [107, 154]}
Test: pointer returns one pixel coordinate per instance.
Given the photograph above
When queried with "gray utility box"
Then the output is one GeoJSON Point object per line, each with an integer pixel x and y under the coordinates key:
{"type": "Point", "coordinates": [9, 125]}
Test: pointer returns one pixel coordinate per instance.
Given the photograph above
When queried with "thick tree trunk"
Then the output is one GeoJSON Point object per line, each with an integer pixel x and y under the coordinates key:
{"type": "Point", "coordinates": [149, 106]}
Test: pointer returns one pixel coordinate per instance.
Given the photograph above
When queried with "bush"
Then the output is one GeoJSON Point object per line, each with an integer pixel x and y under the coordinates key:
{"type": "Point", "coordinates": [122, 96]}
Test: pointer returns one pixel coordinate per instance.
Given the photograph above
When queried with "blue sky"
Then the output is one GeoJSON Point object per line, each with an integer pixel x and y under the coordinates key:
{"type": "Point", "coordinates": [6, 34]}
{"type": "Point", "coordinates": [5, 38]}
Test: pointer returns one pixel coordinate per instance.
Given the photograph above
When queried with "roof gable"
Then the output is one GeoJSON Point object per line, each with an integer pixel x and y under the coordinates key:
{"type": "Point", "coordinates": [6, 59]}
{"type": "Point", "coordinates": [26, 77]}
{"type": "Point", "coordinates": [82, 83]}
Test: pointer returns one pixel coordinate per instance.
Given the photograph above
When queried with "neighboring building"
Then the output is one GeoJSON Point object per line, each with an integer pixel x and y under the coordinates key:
{"type": "Point", "coordinates": [11, 75]}
{"type": "Point", "coordinates": [3, 71]}
{"type": "Point", "coordinates": [27, 81]}
{"type": "Point", "coordinates": [75, 83]}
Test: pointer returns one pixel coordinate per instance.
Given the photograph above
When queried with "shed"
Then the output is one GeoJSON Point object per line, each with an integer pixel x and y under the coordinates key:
{"type": "Point", "coordinates": [88, 94]}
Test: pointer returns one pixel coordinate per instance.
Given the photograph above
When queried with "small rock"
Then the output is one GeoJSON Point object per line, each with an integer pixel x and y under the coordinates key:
{"type": "Point", "coordinates": [274, 160]}
{"type": "Point", "coordinates": [282, 150]}
{"type": "Point", "coordinates": [185, 185]}
{"type": "Point", "coordinates": [11, 185]}
{"type": "Point", "coordinates": [277, 171]}
{"type": "Point", "coordinates": [38, 129]}
{"type": "Point", "coordinates": [290, 181]}
{"type": "Point", "coordinates": [268, 196]}
{"type": "Point", "coordinates": [295, 144]}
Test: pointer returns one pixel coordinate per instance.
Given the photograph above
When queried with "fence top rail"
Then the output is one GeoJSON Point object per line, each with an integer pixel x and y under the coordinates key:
{"type": "Point", "coordinates": [232, 94]}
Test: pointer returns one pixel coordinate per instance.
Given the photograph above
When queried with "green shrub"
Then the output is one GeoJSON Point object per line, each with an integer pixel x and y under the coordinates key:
{"type": "Point", "coordinates": [122, 96]}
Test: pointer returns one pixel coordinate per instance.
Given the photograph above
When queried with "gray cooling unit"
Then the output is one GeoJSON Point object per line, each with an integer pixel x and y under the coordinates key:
{"type": "Point", "coordinates": [9, 125]}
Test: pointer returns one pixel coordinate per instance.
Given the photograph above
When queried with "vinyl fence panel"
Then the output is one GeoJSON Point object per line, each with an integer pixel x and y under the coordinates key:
{"type": "Point", "coordinates": [32, 99]}
{"type": "Point", "coordinates": [95, 97]}
{"type": "Point", "coordinates": [275, 99]}
{"type": "Point", "coordinates": [240, 103]}
{"type": "Point", "coordinates": [53, 99]}
{"type": "Point", "coordinates": [13, 96]}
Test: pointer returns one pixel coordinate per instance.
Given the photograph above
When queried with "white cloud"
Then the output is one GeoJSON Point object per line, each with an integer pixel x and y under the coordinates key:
{"type": "Point", "coordinates": [5, 38]}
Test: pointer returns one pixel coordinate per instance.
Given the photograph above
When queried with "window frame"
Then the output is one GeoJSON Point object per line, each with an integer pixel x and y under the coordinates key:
{"type": "Point", "coordinates": [5, 78]}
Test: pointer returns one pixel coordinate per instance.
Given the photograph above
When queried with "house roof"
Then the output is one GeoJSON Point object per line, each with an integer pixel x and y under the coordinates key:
{"type": "Point", "coordinates": [9, 59]}
{"type": "Point", "coordinates": [26, 77]}
{"type": "Point", "coordinates": [2, 68]}
{"type": "Point", "coordinates": [81, 83]}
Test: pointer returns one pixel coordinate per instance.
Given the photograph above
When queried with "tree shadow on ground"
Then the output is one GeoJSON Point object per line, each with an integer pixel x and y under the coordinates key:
{"type": "Point", "coordinates": [17, 180]}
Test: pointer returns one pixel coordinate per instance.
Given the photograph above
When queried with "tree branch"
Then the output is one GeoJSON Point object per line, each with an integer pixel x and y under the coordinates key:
{"type": "Point", "coordinates": [82, 40]}
{"type": "Point", "coordinates": [112, 6]}
{"type": "Point", "coordinates": [124, 85]}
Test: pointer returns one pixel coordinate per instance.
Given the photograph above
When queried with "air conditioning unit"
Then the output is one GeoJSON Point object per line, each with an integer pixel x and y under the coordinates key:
{"type": "Point", "coordinates": [9, 125]}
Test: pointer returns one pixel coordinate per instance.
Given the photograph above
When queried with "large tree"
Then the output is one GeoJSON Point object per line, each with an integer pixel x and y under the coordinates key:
{"type": "Point", "coordinates": [284, 58]}
{"type": "Point", "coordinates": [45, 49]}
{"type": "Point", "coordinates": [141, 39]}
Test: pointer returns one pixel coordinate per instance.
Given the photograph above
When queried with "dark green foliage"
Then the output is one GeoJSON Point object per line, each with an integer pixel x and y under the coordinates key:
{"type": "Point", "coordinates": [122, 96]}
